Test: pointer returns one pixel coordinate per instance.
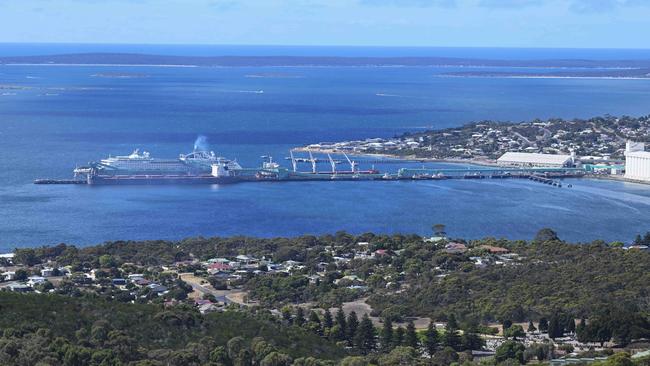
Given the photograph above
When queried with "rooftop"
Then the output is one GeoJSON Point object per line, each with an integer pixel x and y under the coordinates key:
{"type": "Point", "coordinates": [533, 158]}
{"type": "Point", "coordinates": [638, 154]}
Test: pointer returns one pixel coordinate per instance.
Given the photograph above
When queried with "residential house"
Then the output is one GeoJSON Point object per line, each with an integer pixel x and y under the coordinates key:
{"type": "Point", "coordinates": [118, 281]}
{"type": "Point", "coordinates": [17, 287]}
{"type": "Point", "coordinates": [8, 276]}
{"type": "Point", "coordinates": [35, 280]}
{"type": "Point", "coordinates": [219, 267]}
{"type": "Point", "coordinates": [208, 308]}
{"type": "Point", "coordinates": [158, 289]}
{"type": "Point", "coordinates": [494, 250]}
{"type": "Point", "coordinates": [135, 277]}
{"type": "Point", "coordinates": [454, 248]}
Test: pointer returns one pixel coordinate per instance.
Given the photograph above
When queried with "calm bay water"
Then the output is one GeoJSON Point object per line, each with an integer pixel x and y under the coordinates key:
{"type": "Point", "coordinates": [67, 116]}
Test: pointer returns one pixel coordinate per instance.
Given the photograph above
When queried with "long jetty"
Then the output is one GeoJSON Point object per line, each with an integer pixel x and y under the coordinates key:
{"type": "Point", "coordinates": [549, 175]}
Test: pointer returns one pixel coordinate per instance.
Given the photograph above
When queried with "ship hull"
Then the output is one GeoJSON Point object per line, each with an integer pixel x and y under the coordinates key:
{"type": "Point", "coordinates": [159, 179]}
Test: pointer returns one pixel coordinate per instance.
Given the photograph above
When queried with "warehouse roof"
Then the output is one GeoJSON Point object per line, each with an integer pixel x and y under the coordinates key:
{"type": "Point", "coordinates": [533, 158]}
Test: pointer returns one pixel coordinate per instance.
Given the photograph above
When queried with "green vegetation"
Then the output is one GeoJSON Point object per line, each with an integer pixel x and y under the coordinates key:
{"type": "Point", "coordinates": [547, 276]}
{"type": "Point", "coordinates": [58, 329]}
{"type": "Point", "coordinates": [594, 292]}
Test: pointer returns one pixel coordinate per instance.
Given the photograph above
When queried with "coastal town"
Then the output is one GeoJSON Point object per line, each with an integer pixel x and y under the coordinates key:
{"type": "Point", "coordinates": [595, 139]}
{"type": "Point", "coordinates": [305, 281]}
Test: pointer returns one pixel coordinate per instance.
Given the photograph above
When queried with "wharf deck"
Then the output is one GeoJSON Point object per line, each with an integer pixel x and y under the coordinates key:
{"type": "Point", "coordinates": [544, 175]}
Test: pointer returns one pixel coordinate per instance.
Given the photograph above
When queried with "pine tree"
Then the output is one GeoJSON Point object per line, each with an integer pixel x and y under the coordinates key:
{"type": "Point", "coordinates": [555, 330]}
{"type": "Point", "coordinates": [314, 323]}
{"type": "Point", "coordinates": [336, 333]}
{"type": "Point", "coordinates": [398, 339]}
{"type": "Point", "coordinates": [431, 342]}
{"type": "Point", "coordinates": [451, 337]}
{"type": "Point", "coordinates": [411, 338]}
{"type": "Point", "coordinates": [327, 321]}
{"type": "Point", "coordinates": [340, 321]}
{"type": "Point", "coordinates": [571, 325]}
{"type": "Point", "coordinates": [581, 331]}
{"type": "Point", "coordinates": [387, 335]}
{"type": "Point", "coordinates": [352, 325]}
{"type": "Point", "coordinates": [543, 325]}
{"type": "Point", "coordinates": [451, 322]}
{"type": "Point", "coordinates": [506, 324]}
{"type": "Point", "coordinates": [646, 238]}
{"type": "Point", "coordinates": [365, 338]}
{"type": "Point", "coordinates": [531, 327]}
{"type": "Point", "coordinates": [470, 340]}
{"type": "Point", "coordinates": [299, 319]}
{"type": "Point", "coordinates": [313, 317]}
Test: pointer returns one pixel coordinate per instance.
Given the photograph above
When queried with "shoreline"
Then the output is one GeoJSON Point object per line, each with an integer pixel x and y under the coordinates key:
{"type": "Point", "coordinates": [545, 77]}
{"type": "Point", "coordinates": [478, 162]}
{"type": "Point", "coordinates": [95, 65]}
{"type": "Point", "coordinates": [407, 158]}
{"type": "Point", "coordinates": [370, 65]}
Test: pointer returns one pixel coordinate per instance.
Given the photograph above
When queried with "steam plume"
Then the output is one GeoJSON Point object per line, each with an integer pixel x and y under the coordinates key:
{"type": "Point", "coordinates": [201, 144]}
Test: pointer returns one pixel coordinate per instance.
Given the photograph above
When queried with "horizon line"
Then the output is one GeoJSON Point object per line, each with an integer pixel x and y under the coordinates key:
{"type": "Point", "coordinates": [319, 46]}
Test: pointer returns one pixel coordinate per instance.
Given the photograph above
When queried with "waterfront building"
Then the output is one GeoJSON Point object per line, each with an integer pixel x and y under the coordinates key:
{"type": "Point", "coordinates": [524, 159]}
{"type": "Point", "coordinates": [637, 161]}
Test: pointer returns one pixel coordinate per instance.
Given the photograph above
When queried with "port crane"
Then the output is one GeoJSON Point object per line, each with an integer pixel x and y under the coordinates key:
{"type": "Point", "coordinates": [353, 164]}
{"type": "Point", "coordinates": [293, 161]}
{"type": "Point", "coordinates": [332, 163]}
{"type": "Point", "coordinates": [313, 163]}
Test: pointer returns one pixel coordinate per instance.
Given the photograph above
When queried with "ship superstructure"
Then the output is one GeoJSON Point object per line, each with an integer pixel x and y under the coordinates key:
{"type": "Point", "coordinates": [194, 163]}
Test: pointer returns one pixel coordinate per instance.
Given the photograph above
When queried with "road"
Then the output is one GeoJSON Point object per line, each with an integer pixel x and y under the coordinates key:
{"type": "Point", "coordinates": [225, 296]}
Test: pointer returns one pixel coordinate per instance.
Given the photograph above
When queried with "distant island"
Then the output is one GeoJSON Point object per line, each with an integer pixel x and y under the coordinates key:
{"type": "Point", "coordinates": [624, 73]}
{"type": "Point", "coordinates": [613, 66]}
{"type": "Point", "coordinates": [120, 75]}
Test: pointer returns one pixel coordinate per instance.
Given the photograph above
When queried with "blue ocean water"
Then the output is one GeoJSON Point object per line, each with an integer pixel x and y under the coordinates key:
{"type": "Point", "coordinates": [64, 116]}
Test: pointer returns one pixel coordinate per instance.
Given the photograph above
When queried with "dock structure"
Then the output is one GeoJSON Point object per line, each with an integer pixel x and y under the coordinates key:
{"type": "Point", "coordinates": [59, 181]}
{"type": "Point", "coordinates": [280, 174]}
{"type": "Point", "coordinates": [492, 172]}
{"type": "Point", "coordinates": [271, 171]}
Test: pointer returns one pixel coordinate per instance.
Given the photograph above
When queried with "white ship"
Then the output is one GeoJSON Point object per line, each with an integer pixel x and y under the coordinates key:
{"type": "Point", "coordinates": [195, 163]}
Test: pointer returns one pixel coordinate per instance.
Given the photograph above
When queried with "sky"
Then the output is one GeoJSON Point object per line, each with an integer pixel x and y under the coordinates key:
{"type": "Point", "coordinates": [433, 23]}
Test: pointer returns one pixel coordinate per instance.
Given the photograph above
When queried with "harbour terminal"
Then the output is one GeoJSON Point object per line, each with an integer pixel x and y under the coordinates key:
{"type": "Point", "coordinates": [203, 167]}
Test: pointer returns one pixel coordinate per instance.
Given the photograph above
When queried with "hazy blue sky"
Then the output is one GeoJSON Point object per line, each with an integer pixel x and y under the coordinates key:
{"type": "Point", "coordinates": [505, 23]}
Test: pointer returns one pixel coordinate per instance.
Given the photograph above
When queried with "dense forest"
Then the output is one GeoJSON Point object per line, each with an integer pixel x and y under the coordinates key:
{"type": "Point", "coordinates": [55, 329]}
{"type": "Point", "coordinates": [548, 275]}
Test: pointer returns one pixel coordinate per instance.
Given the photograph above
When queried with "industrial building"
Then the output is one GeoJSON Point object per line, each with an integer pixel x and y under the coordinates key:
{"type": "Point", "coordinates": [637, 161]}
{"type": "Point", "coordinates": [522, 159]}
